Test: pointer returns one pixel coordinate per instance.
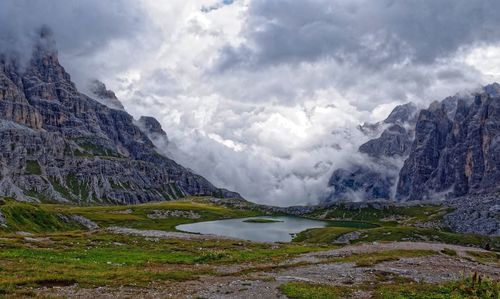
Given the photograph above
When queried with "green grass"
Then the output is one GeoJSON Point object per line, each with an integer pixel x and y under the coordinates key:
{"type": "Point", "coordinates": [322, 235]}
{"type": "Point", "coordinates": [33, 218]}
{"type": "Point", "coordinates": [485, 257]}
{"type": "Point", "coordinates": [135, 216]}
{"type": "Point", "coordinates": [472, 287]}
{"type": "Point", "coordinates": [427, 234]}
{"type": "Point", "coordinates": [352, 224]}
{"type": "Point", "coordinates": [44, 217]}
{"type": "Point", "coordinates": [262, 220]}
{"type": "Point", "coordinates": [33, 167]}
{"type": "Point", "coordinates": [399, 233]}
{"type": "Point", "coordinates": [373, 258]}
{"type": "Point", "coordinates": [303, 290]}
{"type": "Point", "coordinates": [99, 259]}
{"type": "Point", "coordinates": [449, 252]}
{"type": "Point", "coordinates": [96, 150]}
{"type": "Point", "coordinates": [383, 216]}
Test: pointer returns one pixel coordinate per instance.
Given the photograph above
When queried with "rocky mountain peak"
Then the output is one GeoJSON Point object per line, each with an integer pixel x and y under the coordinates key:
{"type": "Point", "coordinates": [402, 114]}
{"type": "Point", "coordinates": [492, 89]}
{"type": "Point", "coordinates": [450, 149]}
{"type": "Point", "coordinates": [107, 97]}
{"type": "Point", "coordinates": [61, 145]}
{"type": "Point", "coordinates": [151, 126]}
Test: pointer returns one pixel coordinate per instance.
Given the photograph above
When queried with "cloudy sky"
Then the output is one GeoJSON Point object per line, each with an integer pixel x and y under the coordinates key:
{"type": "Point", "coordinates": [263, 97]}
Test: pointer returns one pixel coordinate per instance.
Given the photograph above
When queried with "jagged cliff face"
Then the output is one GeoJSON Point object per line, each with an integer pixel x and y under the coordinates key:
{"type": "Point", "coordinates": [376, 178]}
{"type": "Point", "coordinates": [449, 150]}
{"type": "Point", "coordinates": [58, 144]}
{"type": "Point", "coordinates": [456, 150]}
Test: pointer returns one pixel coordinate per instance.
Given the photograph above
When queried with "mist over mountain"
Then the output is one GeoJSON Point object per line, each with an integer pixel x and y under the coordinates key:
{"type": "Point", "coordinates": [61, 145]}
{"type": "Point", "coordinates": [256, 101]}
{"type": "Point", "coordinates": [448, 150]}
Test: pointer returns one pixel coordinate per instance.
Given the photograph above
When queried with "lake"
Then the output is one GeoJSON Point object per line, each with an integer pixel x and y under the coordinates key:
{"type": "Point", "coordinates": [280, 231]}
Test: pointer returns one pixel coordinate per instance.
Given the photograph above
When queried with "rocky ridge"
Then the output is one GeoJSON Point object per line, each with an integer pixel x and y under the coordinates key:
{"type": "Point", "coordinates": [61, 145]}
{"type": "Point", "coordinates": [450, 150]}
{"type": "Point", "coordinates": [375, 179]}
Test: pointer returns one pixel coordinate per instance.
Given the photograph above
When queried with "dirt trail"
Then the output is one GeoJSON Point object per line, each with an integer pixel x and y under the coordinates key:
{"type": "Point", "coordinates": [243, 282]}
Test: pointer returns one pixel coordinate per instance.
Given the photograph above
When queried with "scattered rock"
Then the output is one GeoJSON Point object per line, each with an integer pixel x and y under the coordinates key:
{"type": "Point", "coordinates": [164, 214]}
{"type": "Point", "coordinates": [347, 238]}
{"type": "Point", "coordinates": [36, 240]}
{"type": "Point", "coordinates": [474, 214]}
{"type": "Point", "coordinates": [86, 223]}
{"type": "Point", "coordinates": [24, 234]}
{"type": "Point", "coordinates": [3, 221]}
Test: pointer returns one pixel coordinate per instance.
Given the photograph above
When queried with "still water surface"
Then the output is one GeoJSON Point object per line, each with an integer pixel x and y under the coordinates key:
{"type": "Point", "coordinates": [282, 231]}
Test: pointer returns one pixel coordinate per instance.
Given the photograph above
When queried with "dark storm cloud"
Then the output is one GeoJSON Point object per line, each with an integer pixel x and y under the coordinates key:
{"type": "Point", "coordinates": [80, 27]}
{"type": "Point", "coordinates": [366, 32]}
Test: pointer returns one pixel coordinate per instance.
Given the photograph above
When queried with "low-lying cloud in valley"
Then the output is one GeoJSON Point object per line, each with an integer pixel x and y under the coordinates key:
{"type": "Point", "coordinates": [264, 97]}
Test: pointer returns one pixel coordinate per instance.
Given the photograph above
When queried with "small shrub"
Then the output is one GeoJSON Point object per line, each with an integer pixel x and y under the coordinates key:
{"type": "Point", "coordinates": [212, 255]}
{"type": "Point", "coordinates": [449, 252]}
{"type": "Point", "coordinates": [33, 168]}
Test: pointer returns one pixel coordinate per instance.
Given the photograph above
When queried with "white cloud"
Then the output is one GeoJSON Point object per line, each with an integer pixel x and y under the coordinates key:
{"type": "Point", "coordinates": [282, 114]}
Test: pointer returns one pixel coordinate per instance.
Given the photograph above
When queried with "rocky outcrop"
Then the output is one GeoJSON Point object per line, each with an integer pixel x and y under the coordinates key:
{"type": "Point", "coordinates": [395, 141]}
{"type": "Point", "coordinates": [3, 221]}
{"type": "Point", "coordinates": [359, 184]}
{"type": "Point", "coordinates": [449, 150]}
{"type": "Point", "coordinates": [376, 178]}
{"type": "Point", "coordinates": [99, 92]}
{"type": "Point", "coordinates": [61, 145]}
{"type": "Point", "coordinates": [456, 151]}
{"type": "Point", "coordinates": [478, 214]}
{"type": "Point", "coordinates": [151, 127]}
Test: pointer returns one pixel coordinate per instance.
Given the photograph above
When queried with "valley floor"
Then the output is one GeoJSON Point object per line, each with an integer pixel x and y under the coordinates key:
{"type": "Point", "coordinates": [361, 271]}
{"type": "Point", "coordinates": [57, 251]}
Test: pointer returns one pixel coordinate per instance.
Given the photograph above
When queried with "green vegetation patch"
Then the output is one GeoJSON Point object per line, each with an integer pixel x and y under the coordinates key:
{"type": "Point", "coordinates": [136, 216]}
{"type": "Point", "coordinates": [33, 218]}
{"type": "Point", "coordinates": [449, 252]}
{"type": "Point", "coordinates": [262, 220]}
{"type": "Point", "coordinates": [303, 290]}
{"type": "Point", "coordinates": [92, 149]}
{"type": "Point", "coordinates": [398, 233]}
{"type": "Point", "coordinates": [485, 257]}
{"type": "Point", "coordinates": [322, 235]}
{"type": "Point", "coordinates": [426, 234]}
{"type": "Point", "coordinates": [373, 258]}
{"type": "Point", "coordinates": [384, 216]}
{"type": "Point", "coordinates": [351, 224]}
{"type": "Point", "coordinates": [472, 287]}
{"type": "Point", "coordinates": [94, 259]}
{"type": "Point", "coordinates": [33, 167]}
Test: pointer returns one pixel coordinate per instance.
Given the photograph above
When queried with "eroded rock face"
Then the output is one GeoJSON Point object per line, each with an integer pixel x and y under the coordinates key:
{"type": "Point", "coordinates": [456, 149]}
{"type": "Point", "coordinates": [449, 150]}
{"type": "Point", "coordinates": [107, 97]}
{"type": "Point", "coordinates": [360, 184]}
{"type": "Point", "coordinates": [59, 144]}
{"type": "Point", "coordinates": [375, 180]}
{"type": "Point", "coordinates": [475, 214]}
{"type": "Point", "coordinates": [395, 141]}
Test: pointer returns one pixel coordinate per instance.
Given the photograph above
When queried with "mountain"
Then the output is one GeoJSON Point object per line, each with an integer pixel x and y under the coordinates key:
{"type": "Point", "coordinates": [451, 149]}
{"type": "Point", "coordinates": [376, 178]}
{"type": "Point", "coordinates": [61, 145]}
{"type": "Point", "coordinates": [456, 151]}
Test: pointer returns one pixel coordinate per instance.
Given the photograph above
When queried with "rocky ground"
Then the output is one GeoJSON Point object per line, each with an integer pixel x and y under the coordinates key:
{"type": "Point", "coordinates": [475, 214]}
{"type": "Point", "coordinates": [263, 281]}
